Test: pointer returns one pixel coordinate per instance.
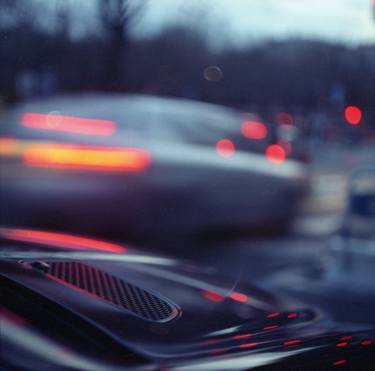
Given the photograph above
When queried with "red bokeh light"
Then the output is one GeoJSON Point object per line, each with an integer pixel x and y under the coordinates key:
{"type": "Point", "coordinates": [225, 148]}
{"type": "Point", "coordinates": [353, 115]}
{"type": "Point", "coordinates": [254, 130]}
{"type": "Point", "coordinates": [276, 153]}
{"type": "Point", "coordinates": [284, 118]}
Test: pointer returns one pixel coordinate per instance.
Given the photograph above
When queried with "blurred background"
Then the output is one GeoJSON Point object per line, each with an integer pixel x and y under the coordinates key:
{"type": "Point", "coordinates": [293, 82]}
{"type": "Point", "coordinates": [308, 59]}
{"type": "Point", "coordinates": [308, 66]}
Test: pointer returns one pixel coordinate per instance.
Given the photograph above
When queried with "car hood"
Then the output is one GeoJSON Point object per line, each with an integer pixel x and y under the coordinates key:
{"type": "Point", "coordinates": [167, 313]}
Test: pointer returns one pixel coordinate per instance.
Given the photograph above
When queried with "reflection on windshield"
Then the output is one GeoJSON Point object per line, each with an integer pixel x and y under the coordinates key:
{"type": "Point", "coordinates": [60, 240]}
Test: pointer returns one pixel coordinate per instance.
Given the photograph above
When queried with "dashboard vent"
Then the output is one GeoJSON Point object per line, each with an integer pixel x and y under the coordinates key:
{"type": "Point", "coordinates": [111, 289]}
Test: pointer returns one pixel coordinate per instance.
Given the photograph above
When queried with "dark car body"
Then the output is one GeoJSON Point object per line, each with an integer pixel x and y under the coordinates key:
{"type": "Point", "coordinates": [102, 306]}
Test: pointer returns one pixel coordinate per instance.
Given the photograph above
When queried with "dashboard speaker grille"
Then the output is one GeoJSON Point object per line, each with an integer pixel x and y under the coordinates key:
{"type": "Point", "coordinates": [111, 289]}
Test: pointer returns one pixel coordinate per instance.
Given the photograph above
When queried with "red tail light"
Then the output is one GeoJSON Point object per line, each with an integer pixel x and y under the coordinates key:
{"type": "Point", "coordinates": [275, 153]}
{"type": "Point", "coordinates": [254, 130]}
{"type": "Point", "coordinates": [353, 115]}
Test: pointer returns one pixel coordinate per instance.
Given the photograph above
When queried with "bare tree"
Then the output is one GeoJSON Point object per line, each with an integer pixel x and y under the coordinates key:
{"type": "Point", "coordinates": [117, 16]}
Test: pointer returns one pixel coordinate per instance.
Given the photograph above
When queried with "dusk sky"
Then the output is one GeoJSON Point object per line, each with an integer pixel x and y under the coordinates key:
{"type": "Point", "coordinates": [242, 21]}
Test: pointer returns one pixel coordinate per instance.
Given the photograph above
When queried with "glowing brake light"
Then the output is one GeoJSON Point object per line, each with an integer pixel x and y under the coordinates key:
{"type": "Point", "coordinates": [353, 115]}
{"type": "Point", "coordinates": [68, 124]}
{"type": "Point", "coordinates": [225, 148]}
{"type": "Point", "coordinates": [86, 157]}
{"type": "Point", "coordinates": [60, 240]}
{"type": "Point", "coordinates": [276, 154]}
{"type": "Point", "coordinates": [254, 130]}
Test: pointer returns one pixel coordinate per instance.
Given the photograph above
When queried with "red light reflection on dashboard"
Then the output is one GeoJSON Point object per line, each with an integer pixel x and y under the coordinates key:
{"type": "Point", "coordinates": [216, 352]}
{"type": "Point", "coordinates": [346, 338]}
{"type": "Point", "coordinates": [292, 342]}
{"type": "Point", "coordinates": [269, 328]}
{"type": "Point", "coordinates": [61, 240]}
{"type": "Point", "coordinates": [340, 362]}
{"type": "Point", "coordinates": [212, 296]}
{"type": "Point", "coordinates": [65, 156]}
{"type": "Point", "coordinates": [343, 344]}
{"type": "Point", "coordinates": [367, 342]}
{"type": "Point", "coordinates": [248, 345]}
{"type": "Point", "coordinates": [68, 124]}
{"type": "Point", "coordinates": [13, 317]}
{"type": "Point", "coordinates": [254, 130]}
{"type": "Point", "coordinates": [237, 296]}
{"type": "Point", "coordinates": [273, 315]}
{"type": "Point", "coordinates": [241, 336]}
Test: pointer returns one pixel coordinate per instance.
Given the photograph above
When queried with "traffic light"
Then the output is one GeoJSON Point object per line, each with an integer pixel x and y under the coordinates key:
{"type": "Point", "coordinates": [353, 115]}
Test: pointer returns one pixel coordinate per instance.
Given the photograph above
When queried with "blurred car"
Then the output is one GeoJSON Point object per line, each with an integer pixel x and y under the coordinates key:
{"type": "Point", "coordinates": [99, 305]}
{"type": "Point", "coordinates": [130, 166]}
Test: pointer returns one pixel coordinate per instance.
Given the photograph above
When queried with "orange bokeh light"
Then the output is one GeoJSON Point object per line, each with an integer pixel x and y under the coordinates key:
{"type": "Point", "coordinates": [86, 157]}
{"type": "Point", "coordinates": [9, 147]}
